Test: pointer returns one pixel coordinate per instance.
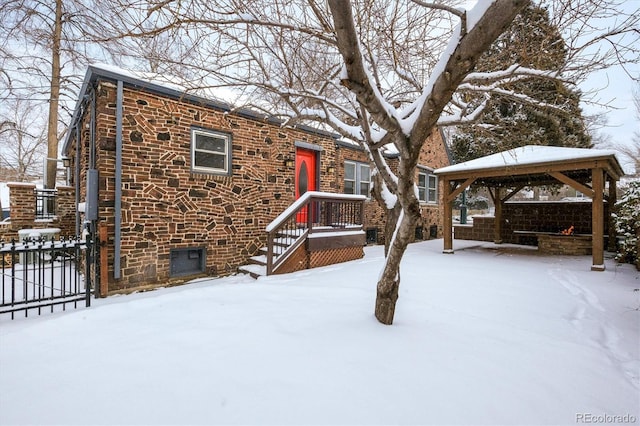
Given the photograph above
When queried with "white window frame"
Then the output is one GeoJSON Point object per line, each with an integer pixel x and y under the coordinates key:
{"type": "Point", "coordinates": [226, 171]}
{"type": "Point", "coordinates": [358, 177]}
{"type": "Point", "coordinates": [430, 191]}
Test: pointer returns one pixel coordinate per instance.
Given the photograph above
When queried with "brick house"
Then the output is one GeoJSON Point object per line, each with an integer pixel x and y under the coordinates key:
{"type": "Point", "coordinates": [183, 177]}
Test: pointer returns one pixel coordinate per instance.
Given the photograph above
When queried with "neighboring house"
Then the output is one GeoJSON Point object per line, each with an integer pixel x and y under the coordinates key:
{"type": "Point", "coordinates": [180, 178]}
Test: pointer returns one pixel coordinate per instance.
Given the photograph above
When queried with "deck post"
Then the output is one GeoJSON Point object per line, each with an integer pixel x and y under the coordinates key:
{"type": "Point", "coordinates": [597, 220]}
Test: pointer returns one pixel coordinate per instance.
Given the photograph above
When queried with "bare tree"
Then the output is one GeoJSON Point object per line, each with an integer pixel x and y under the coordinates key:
{"type": "Point", "coordinates": [382, 73]}
{"type": "Point", "coordinates": [43, 45]}
{"type": "Point", "coordinates": [22, 141]}
{"type": "Point", "coordinates": [631, 150]}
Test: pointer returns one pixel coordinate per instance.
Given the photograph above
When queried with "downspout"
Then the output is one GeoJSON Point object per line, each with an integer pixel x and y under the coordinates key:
{"type": "Point", "coordinates": [76, 180]}
{"type": "Point", "coordinates": [85, 106]}
{"type": "Point", "coordinates": [118, 172]}
{"type": "Point", "coordinates": [92, 131]}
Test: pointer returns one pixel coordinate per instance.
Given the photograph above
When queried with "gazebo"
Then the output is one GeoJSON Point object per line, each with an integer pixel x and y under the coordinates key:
{"type": "Point", "coordinates": [507, 172]}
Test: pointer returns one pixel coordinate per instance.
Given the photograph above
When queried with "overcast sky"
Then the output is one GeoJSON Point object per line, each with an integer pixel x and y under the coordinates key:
{"type": "Point", "coordinates": [616, 87]}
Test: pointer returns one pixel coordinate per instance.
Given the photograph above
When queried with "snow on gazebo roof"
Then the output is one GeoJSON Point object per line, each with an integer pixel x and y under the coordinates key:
{"type": "Point", "coordinates": [528, 155]}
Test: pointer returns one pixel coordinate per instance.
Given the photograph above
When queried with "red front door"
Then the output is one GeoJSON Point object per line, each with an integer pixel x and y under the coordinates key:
{"type": "Point", "coordinates": [306, 176]}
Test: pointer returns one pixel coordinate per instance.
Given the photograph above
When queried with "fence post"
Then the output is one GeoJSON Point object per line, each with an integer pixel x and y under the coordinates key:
{"type": "Point", "coordinates": [13, 275]}
{"type": "Point", "coordinates": [87, 273]}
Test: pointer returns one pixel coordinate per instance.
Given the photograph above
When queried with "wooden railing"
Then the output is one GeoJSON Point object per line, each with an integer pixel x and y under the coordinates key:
{"type": "Point", "coordinates": [313, 212]}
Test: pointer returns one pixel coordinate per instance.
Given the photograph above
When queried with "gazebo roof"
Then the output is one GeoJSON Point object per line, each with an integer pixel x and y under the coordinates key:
{"type": "Point", "coordinates": [531, 164]}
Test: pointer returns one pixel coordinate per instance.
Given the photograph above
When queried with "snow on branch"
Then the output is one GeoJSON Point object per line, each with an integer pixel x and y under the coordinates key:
{"type": "Point", "coordinates": [325, 116]}
{"type": "Point", "coordinates": [460, 117]}
{"type": "Point", "coordinates": [518, 97]}
{"type": "Point", "coordinates": [514, 70]}
{"type": "Point", "coordinates": [357, 75]}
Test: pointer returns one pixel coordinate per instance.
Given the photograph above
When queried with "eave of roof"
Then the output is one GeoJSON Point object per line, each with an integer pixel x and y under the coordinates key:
{"type": "Point", "coordinates": [96, 72]}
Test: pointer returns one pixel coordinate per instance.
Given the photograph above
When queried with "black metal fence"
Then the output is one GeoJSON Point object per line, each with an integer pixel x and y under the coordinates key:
{"type": "Point", "coordinates": [45, 203]}
{"type": "Point", "coordinates": [42, 275]}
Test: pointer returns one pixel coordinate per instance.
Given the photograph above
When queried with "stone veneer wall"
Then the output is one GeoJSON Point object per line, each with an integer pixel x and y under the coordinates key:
{"type": "Point", "coordinates": [165, 205]}
{"type": "Point", "coordinates": [568, 245]}
{"type": "Point", "coordinates": [531, 216]}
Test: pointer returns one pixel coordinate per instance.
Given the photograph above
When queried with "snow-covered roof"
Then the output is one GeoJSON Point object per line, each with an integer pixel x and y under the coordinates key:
{"type": "Point", "coordinates": [171, 82]}
{"type": "Point", "coordinates": [528, 155]}
{"type": "Point", "coordinates": [221, 99]}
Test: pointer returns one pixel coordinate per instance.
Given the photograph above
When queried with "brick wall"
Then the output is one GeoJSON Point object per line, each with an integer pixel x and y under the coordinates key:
{"type": "Point", "coordinates": [66, 210]}
{"type": "Point", "coordinates": [547, 217]}
{"type": "Point", "coordinates": [166, 206]}
{"type": "Point", "coordinates": [480, 230]}
{"type": "Point", "coordinates": [531, 216]}
{"type": "Point", "coordinates": [22, 200]}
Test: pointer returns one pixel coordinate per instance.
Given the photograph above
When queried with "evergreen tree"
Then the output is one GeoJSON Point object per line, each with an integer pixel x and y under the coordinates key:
{"type": "Point", "coordinates": [531, 41]}
{"type": "Point", "coordinates": [627, 220]}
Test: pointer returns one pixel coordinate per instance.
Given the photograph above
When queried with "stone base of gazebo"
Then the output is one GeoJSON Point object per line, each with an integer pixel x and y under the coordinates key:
{"type": "Point", "coordinates": [572, 245]}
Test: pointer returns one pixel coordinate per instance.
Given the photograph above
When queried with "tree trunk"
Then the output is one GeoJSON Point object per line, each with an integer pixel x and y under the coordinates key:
{"type": "Point", "coordinates": [391, 215]}
{"type": "Point", "coordinates": [52, 130]}
{"type": "Point", "coordinates": [389, 283]}
{"type": "Point", "coordinates": [391, 223]}
{"type": "Point", "coordinates": [397, 241]}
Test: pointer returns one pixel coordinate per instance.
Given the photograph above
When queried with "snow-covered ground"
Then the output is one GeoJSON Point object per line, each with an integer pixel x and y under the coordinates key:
{"type": "Point", "coordinates": [484, 336]}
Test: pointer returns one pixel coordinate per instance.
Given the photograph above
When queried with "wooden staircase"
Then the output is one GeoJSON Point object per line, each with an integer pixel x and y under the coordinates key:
{"type": "Point", "coordinates": [257, 265]}
{"type": "Point", "coordinates": [336, 215]}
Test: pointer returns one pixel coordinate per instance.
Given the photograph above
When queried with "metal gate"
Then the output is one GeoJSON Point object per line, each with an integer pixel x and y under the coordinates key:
{"type": "Point", "coordinates": [40, 275]}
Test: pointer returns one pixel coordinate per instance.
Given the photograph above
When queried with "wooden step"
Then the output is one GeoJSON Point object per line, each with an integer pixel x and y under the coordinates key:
{"type": "Point", "coordinates": [255, 271]}
{"type": "Point", "coordinates": [258, 260]}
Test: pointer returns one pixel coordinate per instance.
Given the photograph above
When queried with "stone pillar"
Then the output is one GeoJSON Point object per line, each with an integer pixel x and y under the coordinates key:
{"type": "Point", "coordinates": [66, 210]}
{"type": "Point", "coordinates": [22, 198]}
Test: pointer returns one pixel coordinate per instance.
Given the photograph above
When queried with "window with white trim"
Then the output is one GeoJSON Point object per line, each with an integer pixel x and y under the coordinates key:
{"type": "Point", "coordinates": [427, 187]}
{"type": "Point", "coordinates": [210, 152]}
{"type": "Point", "coordinates": [357, 178]}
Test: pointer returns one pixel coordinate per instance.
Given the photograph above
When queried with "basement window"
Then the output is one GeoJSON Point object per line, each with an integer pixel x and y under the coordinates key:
{"type": "Point", "coordinates": [210, 152]}
{"type": "Point", "coordinates": [187, 261]}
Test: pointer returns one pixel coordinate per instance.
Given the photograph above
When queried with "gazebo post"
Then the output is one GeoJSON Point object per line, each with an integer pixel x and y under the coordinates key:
{"type": "Point", "coordinates": [496, 194]}
{"type": "Point", "coordinates": [611, 202]}
{"type": "Point", "coordinates": [597, 220]}
{"type": "Point", "coordinates": [448, 218]}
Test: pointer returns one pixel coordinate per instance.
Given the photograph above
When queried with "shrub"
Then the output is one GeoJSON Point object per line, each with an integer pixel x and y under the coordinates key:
{"type": "Point", "coordinates": [627, 220]}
